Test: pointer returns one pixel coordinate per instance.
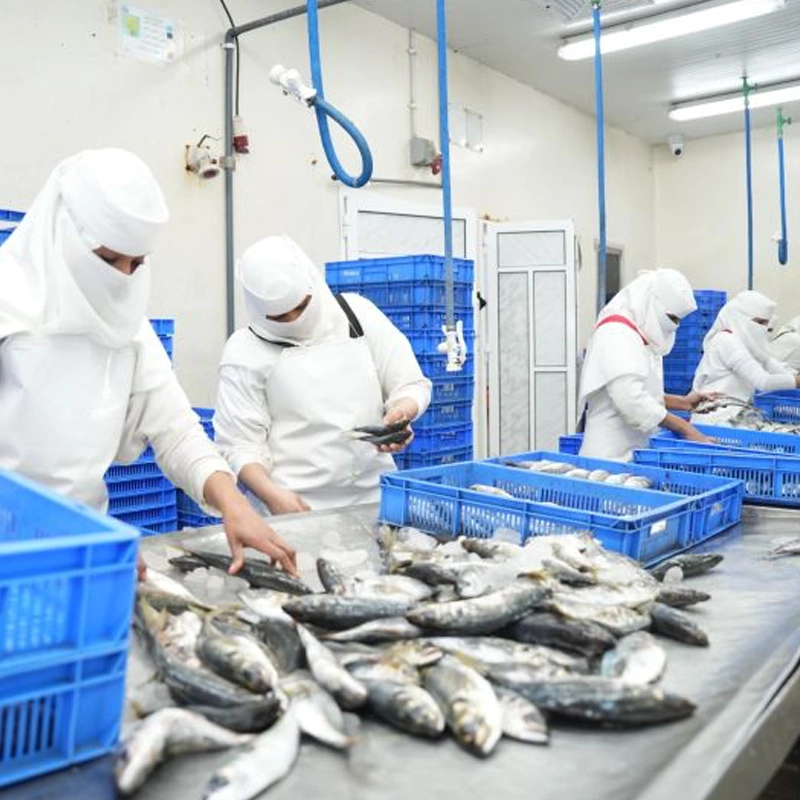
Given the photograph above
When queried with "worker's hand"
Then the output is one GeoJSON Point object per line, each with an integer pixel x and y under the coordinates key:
{"type": "Point", "coordinates": [245, 528]}
{"type": "Point", "coordinates": [141, 568]}
{"type": "Point", "coordinates": [693, 399]}
{"type": "Point", "coordinates": [403, 409]}
{"type": "Point", "coordinates": [282, 501]}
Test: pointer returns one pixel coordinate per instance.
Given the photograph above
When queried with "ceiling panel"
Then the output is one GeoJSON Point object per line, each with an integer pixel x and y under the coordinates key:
{"type": "Point", "coordinates": [520, 37]}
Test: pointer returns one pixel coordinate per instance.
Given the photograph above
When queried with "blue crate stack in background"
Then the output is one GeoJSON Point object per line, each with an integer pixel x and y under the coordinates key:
{"type": "Point", "coordinates": [8, 221]}
{"type": "Point", "coordinates": [190, 515]}
{"type": "Point", "coordinates": [139, 493]}
{"type": "Point", "coordinates": [410, 290]}
{"type": "Point", "coordinates": [681, 363]}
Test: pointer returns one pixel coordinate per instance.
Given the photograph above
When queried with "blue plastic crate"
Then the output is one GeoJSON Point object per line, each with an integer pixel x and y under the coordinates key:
{"type": "Point", "coordinates": [55, 715]}
{"type": "Point", "coordinates": [783, 406]}
{"type": "Point", "coordinates": [120, 473]}
{"type": "Point", "coordinates": [413, 318]}
{"type": "Point", "coordinates": [453, 390]}
{"type": "Point", "coordinates": [681, 365]}
{"type": "Point", "coordinates": [169, 524]}
{"type": "Point", "coordinates": [166, 343]}
{"type": "Point", "coordinates": [716, 501]}
{"type": "Point", "coordinates": [435, 367]}
{"type": "Point", "coordinates": [412, 460]}
{"type": "Point", "coordinates": [642, 524]}
{"type": "Point", "coordinates": [446, 414]}
{"type": "Point", "coordinates": [386, 295]}
{"type": "Point", "coordinates": [733, 439]}
{"type": "Point", "coordinates": [163, 327]}
{"type": "Point", "coordinates": [767, 480]}
{"type": "Point", "coordinates": [206, 420]}
{"type": "Point", "coordinates": [678, 385]}
{"type": "Point", "coordinates": [710, 299]}
{"type": "Point", "coordinates": [67, 577]}
{"type": "Point", "coordinates": [440, 437]}
{"type": "Point", "coordinates": [570, 444]}
{"type": "Point", "coordinates": [397, 268]}
{"type": "Point", "coordinates": [136, 486]}
{"type": "Point", "coordinates": [152, 519]}
{"type": "Point", "coordinates": [141, 501]}
{"type": "Point", "coordinates": [190, 515]}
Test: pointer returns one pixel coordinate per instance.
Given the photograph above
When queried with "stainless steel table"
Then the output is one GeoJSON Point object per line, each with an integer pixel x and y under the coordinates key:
{"type": "Point", "coordinates": [745, 684]}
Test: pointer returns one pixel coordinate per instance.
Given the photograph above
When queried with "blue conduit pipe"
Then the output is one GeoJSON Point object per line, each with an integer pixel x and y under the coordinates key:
{"type": "Point", "coordinates": [323, 110]}
{"type": "Point", "coordinates": [749, 166]}
{"type": "Point", "coordinates": [601, 166]}
{"type": "Point", "coordinates": [444, 139]}
{"type": "Point", "coordinates": [783, 243]}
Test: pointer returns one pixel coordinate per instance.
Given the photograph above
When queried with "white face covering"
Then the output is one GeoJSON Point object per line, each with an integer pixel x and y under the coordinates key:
{"type": "Point", "coordinates": [298, 330]}
{"type": "Point", "coordinates": [738, 317]}
{"type": "Point", "coordinates": [118, 301]}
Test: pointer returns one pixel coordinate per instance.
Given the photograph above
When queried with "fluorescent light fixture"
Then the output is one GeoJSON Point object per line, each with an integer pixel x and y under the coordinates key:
{"type": "Point", "coordinates": [657, 28]}
{"type": "Point", "coordinates": [732, 103]}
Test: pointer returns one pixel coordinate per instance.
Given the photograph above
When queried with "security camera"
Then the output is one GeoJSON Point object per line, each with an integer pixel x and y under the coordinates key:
{"type": "Point", "coordinates": [675, 143]}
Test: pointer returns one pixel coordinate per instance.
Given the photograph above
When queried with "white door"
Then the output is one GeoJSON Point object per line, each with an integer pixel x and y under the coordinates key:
{"type": "Point", "coordinates": [532, 311]}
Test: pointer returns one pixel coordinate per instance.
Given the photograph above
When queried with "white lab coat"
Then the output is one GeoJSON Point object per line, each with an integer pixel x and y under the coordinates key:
{"type": "Point", "coordinates": [625, 412]}
{"type": "Point", "coordinates": [785, 346]}
{"type": "Point", "coordinates": [70, 406]}
{"type": "Point", "coordinates": [289, 408]}
{"type": "Point", "coordinates": [730, 368]}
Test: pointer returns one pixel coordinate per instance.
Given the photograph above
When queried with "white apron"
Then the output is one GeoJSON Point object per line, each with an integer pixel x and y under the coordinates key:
{"type": "Point", "coordinates": [315, 395]}
{"type": "Point", "coordinates": [63, 401]}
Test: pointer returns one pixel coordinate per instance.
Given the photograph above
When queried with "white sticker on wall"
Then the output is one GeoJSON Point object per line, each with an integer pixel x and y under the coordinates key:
{"type": "Point", "coordinates": [148, 36]}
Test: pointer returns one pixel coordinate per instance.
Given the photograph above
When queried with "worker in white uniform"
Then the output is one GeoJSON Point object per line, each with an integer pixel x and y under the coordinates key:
{"type": "Point", "coordinates": [784, 345]}
{"type": "Point", "coordinates": [622, 385]}
{"type": "Point", "coordinates": [736, 357]}
{"type": "Point", "coordinates": [308, 369]}
{"type": "Point", "coordinates": [84, 380]}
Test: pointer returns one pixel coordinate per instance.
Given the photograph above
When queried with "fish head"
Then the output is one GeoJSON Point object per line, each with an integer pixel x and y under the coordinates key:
{"type": "Point", "coordinates": [474, 731]}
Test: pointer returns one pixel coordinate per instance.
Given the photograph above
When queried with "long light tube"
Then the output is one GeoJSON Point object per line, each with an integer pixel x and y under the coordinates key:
{"type": "Point", "coordinates": [668, 26]}
{"type": "Point", "coordinates": [729, 105]}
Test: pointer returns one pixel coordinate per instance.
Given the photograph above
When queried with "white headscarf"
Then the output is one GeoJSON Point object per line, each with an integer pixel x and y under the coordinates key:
{"type": "Point", "coordinates": [645, 301]}
{"type": "Point", "coordinates": [736, 317]}
{"type": "Point", "coordinates": [648, 299]}
{"type": "Point", "coordinates": [277, 276]}
{"type": "Point", "coordinates": [51, 281]}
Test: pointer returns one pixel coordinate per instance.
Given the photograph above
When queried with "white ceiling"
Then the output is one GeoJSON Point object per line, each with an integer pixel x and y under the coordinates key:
{"type": "Point", "coordinates": [520, 37]}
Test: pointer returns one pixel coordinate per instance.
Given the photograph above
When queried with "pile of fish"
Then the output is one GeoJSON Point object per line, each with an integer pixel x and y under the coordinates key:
{"type": "Point", "coordinates": [478, 637]}
{"type": "Point", "coordinates": [747, 416]}
{"type": "Point", "coordinates": [565, 470]}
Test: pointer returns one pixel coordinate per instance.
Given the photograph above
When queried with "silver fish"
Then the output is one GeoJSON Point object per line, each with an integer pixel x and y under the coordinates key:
{"type": "Point", "coordinates": [471, 578]}
{"type": "Point", "coordinates": [521, 719]}
{"type": "Point", "coordinates": [386, 670]}
{"type": "Point", "coordinates": [166, 733]}
{"type": "Point", "coordinates": [598, 475]}
{"type": "Point", "coordinates": [639, 482]}
{"type": "Point", "coordinates": [677, 625]}
{"type": "Point", "coordinates": [315, 710]}
{"type": "Point", "coordinates": [579, 636]}
{"type": "Point", "coordinates": [327, 671]}
{"type": "Point", "coordinates": [680, 596]}
{"type": "Point", "coordinates": [343, 611]}
{"type": "Point", "coordinates": [262, 762]}
{"type": "Point", "coordinates": [237, 657]}
{"type": "Point", "coordinates": [618, 479]}
{"type": "Point", "coordinates": [389, 629]}
{"type": "Point", "coordinates": [470, 706]}
{"type": "Point", "coordinates": [400, 587]}
{"type": "Point", "coordinates": [406, 706]}
{"type": "Point", "coordinates": [252, 716]}
{"type": "Point", "coordinates": [788, 548]}
{"type": "Point", "coordinates": [489, 548]}
{"type": "Point", "coordinates": [619, 620]}
{"type": "Point", "coordinates": [482, 614]}
{"type": "Point", "coordinates": [605, 700]}
{"type": "Point", "coordinates": [493, 490]}
{"type": "Point", "coordinates": [578, 472]}
{"type": "Point", "coordinates": [331, 577]}
{"type": "Point", "coordinates": [161, 591]}
{"type": "Point", "coordinates": [490, 651]}
{"type": "Point", "coordinates": [637, 658]}
{"type": "Point", "coordinates": [691, 564]}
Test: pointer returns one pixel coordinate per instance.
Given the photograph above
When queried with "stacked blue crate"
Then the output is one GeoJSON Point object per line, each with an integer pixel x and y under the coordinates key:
{"type": "Point", "coordinates": [138, 493]}
{"type": "Point", "coordinates": [681, 363]}
{"type": "Point", "coordinates": [8, 221]}
{"type": "Point", "coordinates": [190, 515]}
{"type": "Point", "coordinates": [410, 290]}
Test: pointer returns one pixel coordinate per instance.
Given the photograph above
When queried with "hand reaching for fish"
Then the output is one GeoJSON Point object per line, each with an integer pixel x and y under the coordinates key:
{"type": "Point", "coordinates": [395, 433]}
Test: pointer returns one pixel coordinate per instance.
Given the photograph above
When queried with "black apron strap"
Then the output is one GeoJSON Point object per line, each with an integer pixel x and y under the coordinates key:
{"type": "Point", "coordinates": [356, 331]}
{"type": "Point", "coordinates": [269, 341]}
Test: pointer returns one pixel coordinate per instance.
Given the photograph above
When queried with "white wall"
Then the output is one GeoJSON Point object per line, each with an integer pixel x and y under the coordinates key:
{"type": "Point", "coordinates": [71, 90]}
{"type": "Point", "coordinates": [701, 214]}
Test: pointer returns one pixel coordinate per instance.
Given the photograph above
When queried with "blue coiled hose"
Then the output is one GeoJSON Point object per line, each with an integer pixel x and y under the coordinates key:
{"type": "Point", "coordinates": [323, 110]}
